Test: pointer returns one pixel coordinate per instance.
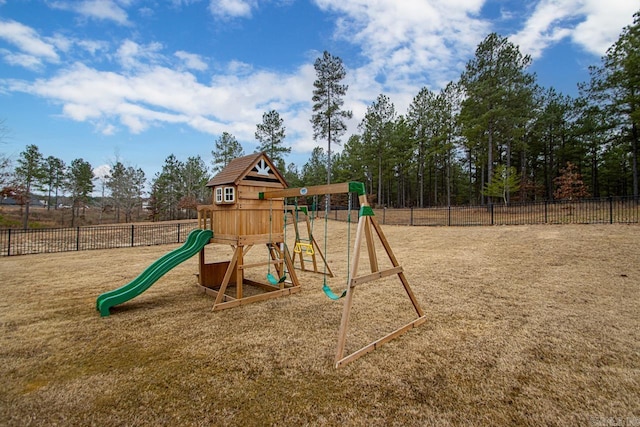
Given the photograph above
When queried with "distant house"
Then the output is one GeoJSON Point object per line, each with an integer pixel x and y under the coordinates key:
{"type": "Point", "coordinates": [10, 201]}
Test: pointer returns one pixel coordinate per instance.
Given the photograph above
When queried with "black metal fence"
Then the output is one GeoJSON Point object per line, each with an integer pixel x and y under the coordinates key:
{"type": "Point", "coordinates": [587, 211]}
{"type": "Point", "coordinates": [624, 210]}
{"type": "Point", "coordinates": [49, 240]}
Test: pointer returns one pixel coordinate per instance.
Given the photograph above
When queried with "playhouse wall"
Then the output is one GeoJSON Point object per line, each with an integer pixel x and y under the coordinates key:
{"type": "Point", "coordinates": [249, 215]}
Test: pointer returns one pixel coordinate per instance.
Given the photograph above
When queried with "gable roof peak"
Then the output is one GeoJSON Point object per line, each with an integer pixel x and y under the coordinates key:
{"type": "Point", "coordinates": [240, 167]}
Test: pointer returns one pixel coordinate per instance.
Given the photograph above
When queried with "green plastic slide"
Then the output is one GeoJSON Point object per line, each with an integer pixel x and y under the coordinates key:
{"type": "Point", "coordinates": [196, 240]}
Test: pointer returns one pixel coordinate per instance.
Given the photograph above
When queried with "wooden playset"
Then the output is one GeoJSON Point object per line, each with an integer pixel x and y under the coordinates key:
{"type": "Point", "coordinates": [239, 218]}
{"type": "Point", "coordinates": [248, 209]}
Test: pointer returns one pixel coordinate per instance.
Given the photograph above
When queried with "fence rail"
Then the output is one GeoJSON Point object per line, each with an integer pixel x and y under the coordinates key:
{"type": "Point", "coordinates": [624, 210]}
{"type": "Point", "coordinates": [588, 211]}
{"type": "Point", "coordinates": [49, 240]}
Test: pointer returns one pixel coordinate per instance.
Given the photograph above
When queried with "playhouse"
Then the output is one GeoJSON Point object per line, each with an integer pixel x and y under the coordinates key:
{"type": "Point", "coordinates": [239, 218]}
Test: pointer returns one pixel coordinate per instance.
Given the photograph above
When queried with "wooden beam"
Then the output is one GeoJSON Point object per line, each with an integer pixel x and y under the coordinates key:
{"type": "Point", "coordinates": [215, 293]}
{"type": "Point", "coordinates": [256, 298]}
{"type": "Point", "coordinates": [394, 261]}
{"type": "Point", "coordinates": [260, 264]}
{"type": "Point", "coordinates": [375, 276]}
{"type": "Point", "coordinates": [340, 188]}
{"type": "Point", "coordinates": [379, 343]}
{"type": "Point", "coordinates": [227, 276]}
{"type": "Point", "coordinates": [348, 301]}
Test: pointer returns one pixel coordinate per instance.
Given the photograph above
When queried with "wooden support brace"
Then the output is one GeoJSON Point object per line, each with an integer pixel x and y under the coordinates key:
{"type": "Point", "coordinates": [375, 276]}
{"type": "Point", "coordinates": [378, 343]}
{"type": "Point", "coordinates": [260, 264]}
{"type": "Point", "coordinates": [256, 298]}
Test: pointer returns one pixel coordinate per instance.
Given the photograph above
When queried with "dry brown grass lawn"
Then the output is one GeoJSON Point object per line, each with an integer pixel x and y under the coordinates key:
{"type": "Point", "coordinates": [527, 325]}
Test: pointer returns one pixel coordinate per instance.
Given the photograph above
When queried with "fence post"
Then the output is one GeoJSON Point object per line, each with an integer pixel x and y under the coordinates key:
{"type": "Point", "coordinates": [178, 233]}
{"type": "Point", "coordinates": [449, 217]}
{"type": "Point", "coordinates": [610, 210]}
{"type": "Point", "coordinates": [133, 231]}
{"type": "Point", "coordinates": [411, 221]}
{"type": "Point", "coordinates": [77, 238]}
{"type": "Point", "coordinates": [491, 208]}
{"type": "Point", "coordinates": [546, 219]}
{"type": "Point", "coordinates": [9, 244]}
{"type": "Point", "coordinates": [384, 215]}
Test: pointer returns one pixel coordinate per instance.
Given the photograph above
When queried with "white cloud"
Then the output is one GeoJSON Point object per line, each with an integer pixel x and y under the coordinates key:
{"type": "Point", "coordinates": [27, 40]}
{"type": "Point", "coordinates": [102, 171]}
{"type": "Point", "coordinates": [133, 55]}
{"type": "Point", "coordinates": [408, 39]}
{"type": "Point", "coordinates": [232, 8]}
{"type": "Point", "coordinates": [20, 59]}
{"type": "Point", "coordinates": [603, 23]}
{"type": "Point", "coordinates": [156, 95]}
{"type": "Point", "coordinates": [107, 10]}
{"type": "Point", "coordinates": [592, 24]}
{"type": "Point", "coordinates": [192, 61]}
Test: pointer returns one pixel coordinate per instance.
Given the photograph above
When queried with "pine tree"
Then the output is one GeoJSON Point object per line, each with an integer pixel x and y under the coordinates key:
{"type": "Point", "coordinates": [29, 174]}
{"type": "Point", "coordinates": [271, 134]}
{"type": "Point", "coordinates": [615, 86]}
{"type": "Point", "coordinates": [80, 185]}
{"type": "Point", "coordinates": [127, 185]}
{"type": "Point", "coordinates": [329, 118]}
{"type": "Point", "coordinates": [499, 100]}
{"type": "Point", "coordinates": [377, 128]}
{"type": "Point", "coordinates": [226, 149]}
{"type": "Point", "coordinates": [54, 178]}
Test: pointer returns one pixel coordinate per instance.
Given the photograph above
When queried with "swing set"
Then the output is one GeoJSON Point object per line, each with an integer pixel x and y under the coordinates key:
{"type": "Point", "coordinates": [249, 210]}
{"type": "Point", "coordinates": [367, 227]}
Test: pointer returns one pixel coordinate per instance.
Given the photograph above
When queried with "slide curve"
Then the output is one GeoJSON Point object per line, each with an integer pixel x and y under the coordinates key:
{"type": "Point", "coordinates": [196, 240]}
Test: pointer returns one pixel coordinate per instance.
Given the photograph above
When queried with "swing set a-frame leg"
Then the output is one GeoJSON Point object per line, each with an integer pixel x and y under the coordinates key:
{"type": "Point", "coordinates": [364, 226]}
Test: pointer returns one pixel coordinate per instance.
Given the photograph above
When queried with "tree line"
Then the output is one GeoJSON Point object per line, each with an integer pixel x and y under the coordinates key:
{"type": "Point", "coordinates": [493, 135]}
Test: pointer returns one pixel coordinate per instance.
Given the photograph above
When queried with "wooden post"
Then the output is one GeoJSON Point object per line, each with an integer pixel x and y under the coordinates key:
{"type": "Point", "coordinates": [346, 310]}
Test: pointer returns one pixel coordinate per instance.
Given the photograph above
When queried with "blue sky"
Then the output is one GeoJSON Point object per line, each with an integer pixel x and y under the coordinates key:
{"type": "Point", "coordinates": [137, 80]}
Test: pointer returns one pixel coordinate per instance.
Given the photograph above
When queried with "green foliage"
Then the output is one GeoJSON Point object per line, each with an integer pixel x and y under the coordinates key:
{"type": "Point", "coordinates": [377, 128]}
{"type": "Point", "coordinates": [271, 134]}
{"type": "Point", "coordinates": [329, 118]}
{"type": "Point", "coordinates": [314, 172]}
{"type": "Point", "coordinates": [292, 175]}
{"type": "Point", "coordinates": [615, 88]}
{"type": "Point", "coordinates": [54, 177]}
{"type": "Point", "coordinates": [178, 187]}
{"type": "Point", "coordinates": [505, 181]}
{"type": "Point", "coordinates": [79, 183]}
{"type": "Point", "coordinates": [194, 178]}
{"type": "Point", "coordinates": [126, 184]}
{"type": "Point", "coordinates": [29, 174]}
{"type": "Point", "coordinates": [5, 171]}
{"type": "Point", "coordinates": [499, 100]}
{"type": "Point", "coordinates": [226, 149]}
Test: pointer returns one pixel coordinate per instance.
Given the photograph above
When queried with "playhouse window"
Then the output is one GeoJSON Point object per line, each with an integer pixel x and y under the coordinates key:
{"type": "Point", "coordinates": [229, 194]}
{"type": "Point", "coordinates": [225, 195]}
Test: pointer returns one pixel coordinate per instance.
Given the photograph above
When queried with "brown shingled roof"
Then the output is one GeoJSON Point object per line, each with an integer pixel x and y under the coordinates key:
{"type": "Point", "coordinates": [238, 168]}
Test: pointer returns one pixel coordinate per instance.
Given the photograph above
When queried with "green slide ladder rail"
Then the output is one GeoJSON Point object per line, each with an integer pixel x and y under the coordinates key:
{"type": "Point", "coordinates": [196, 240]}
